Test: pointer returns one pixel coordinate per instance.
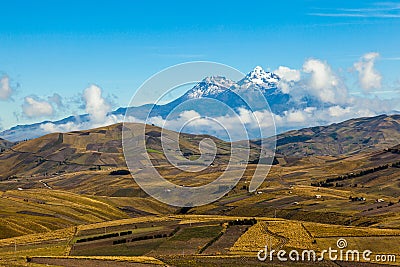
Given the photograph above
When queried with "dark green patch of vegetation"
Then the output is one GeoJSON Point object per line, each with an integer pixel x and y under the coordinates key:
{"type": "Point", "coordinates": [292, 139]}
{"type": "Point", "coordinates": [120, 172]}
{"type": "Point", "coordinates": [105, 236]}
{"type": "Point", "coordinates": [270, 160]}
{"type": "Point", "coordinates": [184, 210]}
{"type": "Point", "coordinates": [252, 221]}
{"type": "Point", "coordinates": [124, 249]}
{"type": "Point", "coordinates": [209, 231]}
{"type": "Point", "coordinates": [154, 151]}
{"type": "Point", "coordinates": [212, 241]}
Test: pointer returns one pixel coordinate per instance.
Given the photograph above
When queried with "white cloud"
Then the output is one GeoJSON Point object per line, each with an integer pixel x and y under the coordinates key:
{"type": "Point", "coordinates": [5, 88]}
{"type": "Point", "coordinates": [238, 126]}
{"type": "Point", "coordinates": [77, 126]}
{"type": "Point", "coordinates": [235, 124]}
{"type": "Point", "coordinates": [56, 99]}
{"type": "Point", "coordinates": [316, 79]}
{"type": "Point", "coordinates": [288, 74]}
{"type": "Point", "coordinates": [66, 127]}
{"type": "Point", "coordinates": [296, 116]}
{"type": "Point", "coordinates": [34, 107]}
{"type": "Point", "coordinates": [96, 106]}
{"type": "Point", "coordinates": [323, 83]}
{"type": "Point", "coordinates": [288, 78]}
{"type": "Point", "coordinates": [368, 76]}
{"type": "Point", "coordinates": [338, 111]}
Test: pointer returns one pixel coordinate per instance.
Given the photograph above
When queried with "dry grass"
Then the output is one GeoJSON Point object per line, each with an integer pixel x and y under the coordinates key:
{"type": "Point", "coordinates": [254, 239]}
{"type": "Point", "coordinates": [294, 232]}
{"type": "Point", "coordinates": [123, 222]}
{"type": "Point", "coordinates": [62, 234]}
{"type": "Point", "coordinates": [136, 259]}
{"type": "Point", "coordinates": [318, 230]}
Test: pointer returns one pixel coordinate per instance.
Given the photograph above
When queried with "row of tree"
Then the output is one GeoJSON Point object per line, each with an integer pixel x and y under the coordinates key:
{"type": "Point", "coordinates": [330, 182]}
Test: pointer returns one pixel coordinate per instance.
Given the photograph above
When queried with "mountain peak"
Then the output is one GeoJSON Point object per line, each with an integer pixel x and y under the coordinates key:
{"type": "Point", "coordinates": [258, 69]}
{"type": "Point", "coordinates": [212, 85]}
{"type": "Point", "coordinates": [218, 80]}
{"type": "Point", "coordinates": [258, 76]}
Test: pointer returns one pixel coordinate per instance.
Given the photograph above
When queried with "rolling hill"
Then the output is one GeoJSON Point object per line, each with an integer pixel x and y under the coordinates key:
{"type": "Point", "coordinates": [68, 195]}
{"type": "Point", "coordinates": [101, 148]}
{"type": "Point", "coordinates": [4, 144]}
{"type": "Point", "coordinates": [91, 150]}
{"type": "Point", "coordinates": [351, 136]}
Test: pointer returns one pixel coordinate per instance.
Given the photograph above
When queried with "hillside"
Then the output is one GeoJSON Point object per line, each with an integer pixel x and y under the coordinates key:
{"type": "Point", "coordinates": [355, 135]}
{"type": "Point", "coordinates": [4, 144]}
{"type": "Point", "coordinates": [84, 162]}
{"type": "Point", "coordinates": [58, 181]}
{"type": "Point", "coordinates": [92, 150]}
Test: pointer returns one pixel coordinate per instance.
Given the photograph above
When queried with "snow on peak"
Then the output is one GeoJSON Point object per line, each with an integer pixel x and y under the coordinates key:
{"type": "Point", "coordinates": [259, 76]}
{"type": "Point", "coordinates": [258, 69]}
{"type": "Point", "coordinates": [210, 86]}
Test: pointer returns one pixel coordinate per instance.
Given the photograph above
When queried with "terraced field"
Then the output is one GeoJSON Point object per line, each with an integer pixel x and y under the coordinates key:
{"type": "Point", "coordinates": [70, 196]}
{"type": "Point", "coordinates": [188, 239]}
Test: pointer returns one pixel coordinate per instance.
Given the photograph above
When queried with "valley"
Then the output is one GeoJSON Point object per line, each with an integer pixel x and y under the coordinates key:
{"type": "Point", "coordinates": [69, 197]}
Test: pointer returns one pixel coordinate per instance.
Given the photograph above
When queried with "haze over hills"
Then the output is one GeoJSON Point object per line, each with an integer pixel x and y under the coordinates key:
{"type": "Point", "coordinates": [221, 89]}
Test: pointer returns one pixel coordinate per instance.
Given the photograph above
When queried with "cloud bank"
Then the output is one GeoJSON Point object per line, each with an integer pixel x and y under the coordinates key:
{"type": "Point", "coordinates": [97, 108]}
{"type": "Point", "coordinates": [315, 78]}
{"type": "Point", "coordinates": [36, 108]}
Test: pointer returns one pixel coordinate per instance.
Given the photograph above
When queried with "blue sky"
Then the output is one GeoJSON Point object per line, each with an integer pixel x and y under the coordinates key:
{"type": "Point", "coordinates": [63, 47]}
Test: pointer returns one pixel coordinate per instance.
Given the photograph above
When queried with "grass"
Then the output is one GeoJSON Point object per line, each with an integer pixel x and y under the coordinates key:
{"type": "Point", "coordinates": [208, 231]}
{"type": "Point", "coordinates": [38, 211]}
{"type": "Point", "coordinates": [381, 245]}
{"type": "Point", "coordinates": [133, 259]}
{"type": "Point", "coordinates": [137, 249]}
{"type": "Point", "coordinates": [87, 199]}
{"type": "Point", "coordinates": [191, 239]}
{"type": "Point", "coordinates": [296, 235]}
{"type": "Point", "coordinates": [254, 239]}
{"type": "Point", "coordinates": [134, 231]}
{"type": "Point", "coordinates": [61, 234]}
{"type": "Point", "coordinates": [323, 230]}
{"type": "Point", "coordinates": [150, 150]}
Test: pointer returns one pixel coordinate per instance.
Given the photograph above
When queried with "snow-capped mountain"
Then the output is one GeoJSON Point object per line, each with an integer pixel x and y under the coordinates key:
{"type": "Point", "coordinates": [209, 87]}
{"type": "Point", "coordinates": [216, 89]}
{"type": "Point", "coordinates": [260, 78]}
{"type": "Point", "coordinates": [232, 94]}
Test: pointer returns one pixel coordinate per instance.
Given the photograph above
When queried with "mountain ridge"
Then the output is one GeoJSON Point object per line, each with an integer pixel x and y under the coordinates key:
{"type": "Point", "coordinates": [212, 90]}
{"type": "Point", "coordinates": [350, 136]}
{"type": "Point", "coordinates": [102, 147]}
{"type": "Point", "coordinates": [99, 148]}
